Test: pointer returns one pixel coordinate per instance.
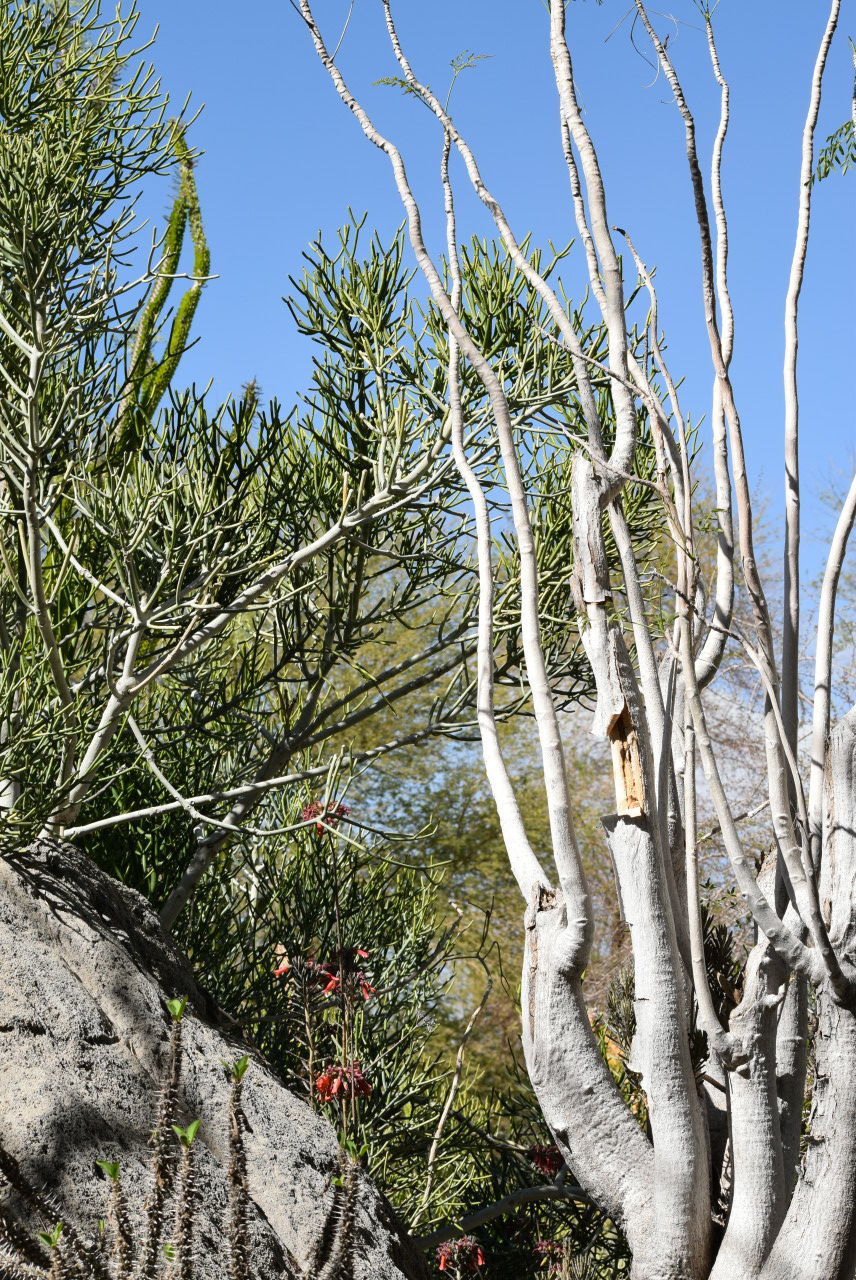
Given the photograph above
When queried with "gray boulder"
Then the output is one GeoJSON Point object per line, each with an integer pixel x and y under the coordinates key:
{"type": "Point", "coordinates": [84, 1050]}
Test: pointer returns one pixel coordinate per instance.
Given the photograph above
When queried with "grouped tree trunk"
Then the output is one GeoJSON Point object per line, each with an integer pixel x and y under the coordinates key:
{"type": "Point", "coordinates": [787, 1185]}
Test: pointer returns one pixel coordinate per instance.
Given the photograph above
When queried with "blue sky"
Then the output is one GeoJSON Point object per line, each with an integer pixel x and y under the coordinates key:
{"type": "Point", "coordinates": [284, 159]}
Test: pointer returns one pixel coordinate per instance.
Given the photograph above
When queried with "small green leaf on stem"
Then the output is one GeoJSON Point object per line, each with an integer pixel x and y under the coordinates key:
{"type": "Point", "coordinates": [186, 1136]}
{"type": "Point", "coordinates": [177, 1007]}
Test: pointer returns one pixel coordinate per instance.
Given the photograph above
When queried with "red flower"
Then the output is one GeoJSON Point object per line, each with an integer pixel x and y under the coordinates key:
{"type": "Point", "coordinates": [465, 1253]}
{"type": "Point", "coordinates": [335, 973]}
{"type": "Point", "coordinates": [546, 1158]}
{"type": "Point", "coordinates": [344, 1081]}
{"type": "Point", "coordinates": [328, 815]}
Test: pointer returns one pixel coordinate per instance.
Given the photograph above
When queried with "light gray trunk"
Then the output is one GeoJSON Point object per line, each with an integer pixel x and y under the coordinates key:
{"type": "Point", "coordinates": [582, 1106]}
{"type": "Point", "coordinates": [662, 1056]}
{"type": "Point", "coordinates": [791, 1062]}
{"type": "Point", "coordinates": [758, 1178]}
{"type": "Point", "coordinates": [817, 1241]}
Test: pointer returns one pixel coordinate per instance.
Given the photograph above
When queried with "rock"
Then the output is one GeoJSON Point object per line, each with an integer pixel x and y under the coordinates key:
{"type": "Point", "coordinates": [84, 1050]}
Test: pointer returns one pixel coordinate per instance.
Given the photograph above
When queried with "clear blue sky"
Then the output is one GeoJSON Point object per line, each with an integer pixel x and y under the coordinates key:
{"type": "Point", "coordinates": [284, 159]}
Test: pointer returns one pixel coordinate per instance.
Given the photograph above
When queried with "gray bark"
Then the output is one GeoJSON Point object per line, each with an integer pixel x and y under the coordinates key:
{"type": "Point", "coordinates": [661, 1054]}
{"type": "Point", "coordinates": [758, 1177]}
{"type": "Point", "coordinates": [791, 1061]}
{"type": "Point", "coordinates": [817, 1240]}
{"type": "Point", "coordinates": [589, 1119]}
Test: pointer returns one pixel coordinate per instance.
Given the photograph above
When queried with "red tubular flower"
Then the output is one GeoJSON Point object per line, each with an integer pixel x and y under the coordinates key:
{"type": "Point", "coordinates": [343, 970]}
{"type": "Point", "coordinates": [344, 1080]}
{"type": "Point", "coordinates": [465, 1253]}
{"type": "Point", "coordinates": [324, 1086]}
{"type": "Point", "coordinates": [546, 1158]}
{"type": "Point", "coordinates": [365, 986]}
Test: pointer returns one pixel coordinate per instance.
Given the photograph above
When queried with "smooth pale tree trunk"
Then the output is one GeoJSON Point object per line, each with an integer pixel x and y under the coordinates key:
{"type": "Point", "coordinates": [791, 1063]}
{"type": "Point", "coordinates": [818, 1239]}
{"type": "Point", "coordinates": [661, 1055]}
{"type": "Point", "coordinates": [581, 1104]}
{"type": "Point", "coordinates": [758, 1174]}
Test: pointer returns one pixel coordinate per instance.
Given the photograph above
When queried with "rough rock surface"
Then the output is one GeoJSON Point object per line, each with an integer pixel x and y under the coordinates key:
{"type": "Point", "coordinates": [85, 973]}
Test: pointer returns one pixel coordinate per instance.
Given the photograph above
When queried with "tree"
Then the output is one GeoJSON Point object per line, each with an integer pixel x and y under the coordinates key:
{"type": "Point", "coordinates": [190, 593]}
{"type": "Point", "coordinates": [203, 606]}
{"type": "Point", "coordinates": [785, 1216]}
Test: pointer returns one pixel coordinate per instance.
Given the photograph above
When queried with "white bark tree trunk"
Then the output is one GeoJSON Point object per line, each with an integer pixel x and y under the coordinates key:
{"type": "Point", "coordinates": [818, 1240]}
{"type": "Point", "coordinates": [652, 664]}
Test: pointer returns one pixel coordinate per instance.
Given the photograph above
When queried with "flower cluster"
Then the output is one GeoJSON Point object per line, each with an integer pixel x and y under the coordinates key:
{"type": "Point", "coordinates": [465, 1254]}
{"type": "Point", "coordinates": [334, 975]}
{"type": "Point", "coordinates": [546, 1158]}
{"type": "Point", "coordinates": [343, 972]}
{"type": "Point", "coordinates": [345, 1081]}
{"type": "Point", "coordinates": [327, 816]}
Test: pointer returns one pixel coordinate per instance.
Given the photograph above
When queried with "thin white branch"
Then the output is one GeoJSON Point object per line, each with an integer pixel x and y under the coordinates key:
{"type": "Point", "coordinates": [823, 669]}
{"type": "Point", "coordinates": [525, 866]}
{"type": "Point", "coordinates": [791, 620]}
{"type": "Point", "coordinates": [85, 573]}
{"type": "Point", "coordinates": [610, 268]}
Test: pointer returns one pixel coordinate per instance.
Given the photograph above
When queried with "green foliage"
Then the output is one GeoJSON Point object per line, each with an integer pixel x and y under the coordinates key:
{"type": "Point", "coordinates": [839, 153]}
{"type": "Point", "coordinates": [177, 1008]}
{"type": "Point", "coordinates": [310, 912]}
{"type": "Point", "coordinates": [52, 1238]}
{"type": "Point", "coordinates": [239, 1068]}
{"type": "Point", "coordinates": [187, 1134]}
{"type": "Point", "coordinates": [198, 599]}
